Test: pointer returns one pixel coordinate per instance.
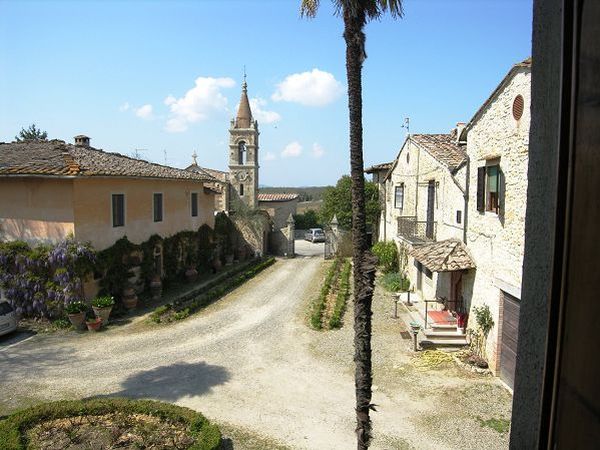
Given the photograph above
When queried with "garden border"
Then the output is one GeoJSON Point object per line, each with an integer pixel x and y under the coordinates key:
{"type": "Point", "coordinates": [208, 435]}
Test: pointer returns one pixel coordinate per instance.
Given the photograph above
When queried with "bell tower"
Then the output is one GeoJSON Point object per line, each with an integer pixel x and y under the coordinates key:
{"type": "Point", "coordinates": [243, 154]}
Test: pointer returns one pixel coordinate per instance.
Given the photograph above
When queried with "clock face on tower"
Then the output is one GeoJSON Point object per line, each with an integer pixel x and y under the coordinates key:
{"type": "Point", "coordinates": [243, 175]}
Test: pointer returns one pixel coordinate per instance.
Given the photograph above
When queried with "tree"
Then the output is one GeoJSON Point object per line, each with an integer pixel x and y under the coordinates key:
{"type": "Point", "coordinates": [337, 200]}
{"type": "Point", "coordinates": [356, 13]}
{"type": "Point", "coordinates": [31, 134]}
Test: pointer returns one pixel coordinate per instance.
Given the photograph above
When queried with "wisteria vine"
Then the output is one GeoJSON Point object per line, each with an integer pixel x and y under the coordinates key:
{"type": "Point", "coordinates": [40, 281]}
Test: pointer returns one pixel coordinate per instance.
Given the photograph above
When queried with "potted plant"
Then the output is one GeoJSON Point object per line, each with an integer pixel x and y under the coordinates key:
{"type": "Point", "coordinates": [93, 323]}
{"type": "Point", "coordinates": [102, 307]}
{"type": "Point", "coordinates": [76, 313]}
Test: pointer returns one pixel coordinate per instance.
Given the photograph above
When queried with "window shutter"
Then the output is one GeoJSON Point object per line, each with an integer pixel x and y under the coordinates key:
{"type": "Point", "coordinates": [481, 189]}
{"type": "Point", "coordinates": [501, 191]}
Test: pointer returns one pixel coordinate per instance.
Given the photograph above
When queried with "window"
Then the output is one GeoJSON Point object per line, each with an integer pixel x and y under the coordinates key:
{"type": "Point", "coordinates": [399, 197]}
{"type": "Point", "coordinates": [118, 210]}
{"type": "Point", "coordinates": [242, 153]}
{"type": "Point", "coordinates": [458, 216]}
{"type": "Point", "coordinates": [158, 207]}
{"type": "Point", "coordinates": [241, 189]}
{"type": "Point", "coordinates": [490, 183]}
{"type": "Point", "coordinates": [194, 200]}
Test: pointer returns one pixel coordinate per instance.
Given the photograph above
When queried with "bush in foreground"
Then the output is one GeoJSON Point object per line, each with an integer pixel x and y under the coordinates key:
{"type": "Point", "coordinates": [206, 436]}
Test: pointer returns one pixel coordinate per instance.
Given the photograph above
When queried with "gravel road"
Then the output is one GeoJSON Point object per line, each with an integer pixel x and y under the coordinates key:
{"type": "Point", "coordinates": [248, 360]}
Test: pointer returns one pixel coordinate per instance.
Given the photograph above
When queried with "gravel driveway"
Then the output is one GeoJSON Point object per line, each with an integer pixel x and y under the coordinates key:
{"type": "Point", "coordinates": [249, 360]}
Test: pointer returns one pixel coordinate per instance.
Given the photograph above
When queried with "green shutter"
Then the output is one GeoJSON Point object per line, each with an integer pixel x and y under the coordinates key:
{"type": "Point", "coordinates": [481, 189]}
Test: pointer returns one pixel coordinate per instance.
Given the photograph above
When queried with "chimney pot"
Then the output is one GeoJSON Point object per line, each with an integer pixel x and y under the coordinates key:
{"type": "Point", "coordinates": [460, 126]}
{"type": "Point", "coordinates": [82, 140]}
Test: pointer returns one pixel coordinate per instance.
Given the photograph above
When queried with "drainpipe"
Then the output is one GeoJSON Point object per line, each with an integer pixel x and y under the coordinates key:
{"type": "Point", "coordinates": [465, 193]}
{"type": "Point", "coordinates": [466, 213]}
{"type": "Point", "coordinates": [417, 180]}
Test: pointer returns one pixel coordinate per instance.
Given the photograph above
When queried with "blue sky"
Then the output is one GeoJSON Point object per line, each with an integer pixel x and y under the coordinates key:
{"type": "Point", "coordinates": [166, 76]}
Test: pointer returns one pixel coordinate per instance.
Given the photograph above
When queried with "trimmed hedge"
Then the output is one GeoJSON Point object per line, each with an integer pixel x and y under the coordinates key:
{"type": "Point", "coordinates": [342, 296]}
{"type": "Point", "coordinates": [318, 306]}
{"type": "Point", "coordinates": [213, 291]}
{"type": "Point", "coordinates": [12, 430]}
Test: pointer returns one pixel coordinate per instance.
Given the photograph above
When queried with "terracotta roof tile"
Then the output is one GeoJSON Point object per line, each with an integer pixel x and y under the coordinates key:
{"type": "Point", "coordinates": [382, 166]}
{"type": "Point", "coordinates": [442, 147]}
{"type": "Point", "coordinates": [60, 159]}
{"type": "Point", "coordinates": [263, 197]}
{"type": "Point", "coordinates": [444, 256]}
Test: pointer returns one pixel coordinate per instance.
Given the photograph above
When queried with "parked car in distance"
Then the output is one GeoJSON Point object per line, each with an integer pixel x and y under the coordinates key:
{"type": "Point", "coordinates": [315, 235]}
{"type": "Point", "coordinates": [8, 318]}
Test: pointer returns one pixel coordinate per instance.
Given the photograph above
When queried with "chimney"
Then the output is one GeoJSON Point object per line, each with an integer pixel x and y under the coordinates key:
{"type": "Point", "coordinates": [82, 141]}
{"type": "Point", "coordinates": [460, 126]}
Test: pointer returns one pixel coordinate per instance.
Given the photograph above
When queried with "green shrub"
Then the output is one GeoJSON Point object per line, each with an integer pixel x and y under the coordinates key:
{"type": "Point", "coordinates": [387, 254]}
{"type": "Point", "coordinates": [394, 282]}
{"type": "Point", "coordinates": [61, 324]}
{"type": "Point", "coordinates": [103, 302]}
{"type": "Point", "coordinates": [13, 429]}
{"type": "Point", "coordinates": [318, 306]}
{"type": "Point", "coordinates": [342, 296]}
{"type": "Point", "coordinates": [75, 307]}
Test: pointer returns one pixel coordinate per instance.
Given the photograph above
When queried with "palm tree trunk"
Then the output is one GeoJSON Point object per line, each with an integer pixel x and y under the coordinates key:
{"type": "Point", "coordinates": [364, 261]}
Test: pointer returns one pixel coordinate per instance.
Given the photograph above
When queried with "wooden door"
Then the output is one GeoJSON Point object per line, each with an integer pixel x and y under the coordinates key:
{"type": "Point", "coordinates": [430, 205]}
{"type": "Point", "coordinates": [510, 333]}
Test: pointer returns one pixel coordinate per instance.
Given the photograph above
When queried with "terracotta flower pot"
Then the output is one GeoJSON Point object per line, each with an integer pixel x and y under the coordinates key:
{"type": "Point", "coordinates": [156, 288]}
{"type": "Point", "coordinates": [77, 320]}
{"type": "Point", "coordinates": [130, 302]}
{"type": "Point", "coordinates": [102, 313]}
{"type": "Point", "coordinates": [94, 325]}
{"type": "Point", "coordinates": [191, 274]}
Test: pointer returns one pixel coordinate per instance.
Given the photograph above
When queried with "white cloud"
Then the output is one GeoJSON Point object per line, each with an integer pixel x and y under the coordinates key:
{"type": "Point", "coordinates": [317, 150]}
{"type": "Point", "coordinates": [269, 156]}
{"type": "Point", "coordinates": [144, 112]}
{"type": "Point", "coordinates": [124, 107]}
{"type": "Point", "coordinates": [262, 115]}
{"type": "Point", "coordinates": [292, 150]}
{"type": "Point", "coordinates": [315, 88]}
{"type": "Point", "coordinates": [198, 103]}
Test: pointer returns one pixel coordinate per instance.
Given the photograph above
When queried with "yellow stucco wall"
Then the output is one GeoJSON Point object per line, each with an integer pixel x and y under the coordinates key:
{"type": "Point", "coordinates": [93, 209]}
{"type": "Point", "coordinates": [35, 209]}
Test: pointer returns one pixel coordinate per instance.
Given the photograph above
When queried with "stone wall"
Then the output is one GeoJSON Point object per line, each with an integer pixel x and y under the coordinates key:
{"type": "Point", "coordinates": [496, 240]}
{"type": "Point", "coordinates": [415, 168]}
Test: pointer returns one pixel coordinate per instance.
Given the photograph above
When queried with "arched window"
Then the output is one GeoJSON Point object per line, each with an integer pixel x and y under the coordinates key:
{"type": "Point", "coordinates": [242, 152]}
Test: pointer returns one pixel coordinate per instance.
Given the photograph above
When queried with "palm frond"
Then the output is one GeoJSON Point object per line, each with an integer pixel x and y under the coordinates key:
{"type": "Point", "coordinates": [309, 8]}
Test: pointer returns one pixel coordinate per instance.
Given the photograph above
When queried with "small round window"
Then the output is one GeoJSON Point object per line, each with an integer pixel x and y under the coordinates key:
{"type": "Point", "coordinates": [517, 108]}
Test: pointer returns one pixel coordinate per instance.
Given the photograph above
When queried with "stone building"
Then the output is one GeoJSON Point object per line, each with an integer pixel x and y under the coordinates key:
{"type": "Point", "coordinates": [455, 205]}
{"type": "Point", "coordinates": [51, 189]}
{"type": "Point", "coordinates": [424, 205]}
{"type": "Point", "coordinates": [497, 147]}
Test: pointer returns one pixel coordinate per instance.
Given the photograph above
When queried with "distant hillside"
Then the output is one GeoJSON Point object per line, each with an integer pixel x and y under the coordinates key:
{"type": "Point", "coordinates": [309, 193]}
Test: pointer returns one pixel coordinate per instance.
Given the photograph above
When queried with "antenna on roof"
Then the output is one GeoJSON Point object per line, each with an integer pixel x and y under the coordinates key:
{"type": "Point", "coordinates": [137, 153]}
{"type": "Point", "coordinates": [165, 152]}
{"type": "Point", "coordinates": [406, 125]}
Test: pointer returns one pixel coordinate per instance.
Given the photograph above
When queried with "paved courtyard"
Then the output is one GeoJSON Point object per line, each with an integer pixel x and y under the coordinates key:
{"type": "Point", "coordinates": [250, 362]}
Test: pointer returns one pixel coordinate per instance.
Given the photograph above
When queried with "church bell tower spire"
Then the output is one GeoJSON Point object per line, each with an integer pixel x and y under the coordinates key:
{"type": "Point", "coordinates": [243, 153]}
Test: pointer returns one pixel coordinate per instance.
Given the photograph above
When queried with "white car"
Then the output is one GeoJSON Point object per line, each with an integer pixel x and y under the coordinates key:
{"type": "Point", "coordinates": [8, 318]}
{"type": "Point", "coordinates": [315, 235]}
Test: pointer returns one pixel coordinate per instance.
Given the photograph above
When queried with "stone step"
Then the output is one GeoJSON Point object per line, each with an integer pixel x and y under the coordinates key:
{"type": "Point", "coordinates": [443, 327]}
{"type": "Point", "coordinates": [444, 334]}
{"type": "Point", "coordinates": [443, 342]}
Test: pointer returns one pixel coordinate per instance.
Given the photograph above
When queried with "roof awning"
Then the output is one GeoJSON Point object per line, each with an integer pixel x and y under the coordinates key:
{"type": "Point", "coordinates": [444, 256]}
